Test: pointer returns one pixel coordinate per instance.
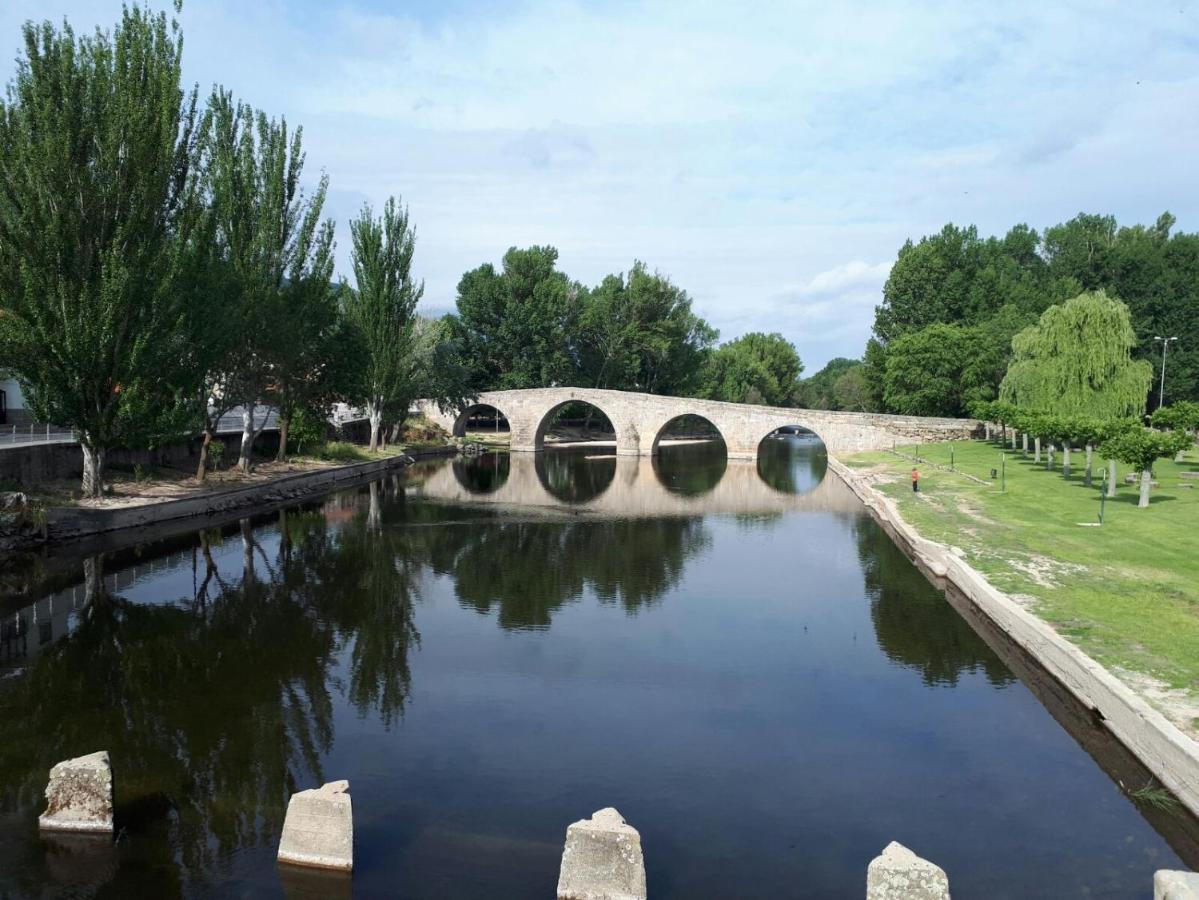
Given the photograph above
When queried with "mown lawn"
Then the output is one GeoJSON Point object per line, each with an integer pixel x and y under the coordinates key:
{"type": "Point", "coordinates": [1126, 592]}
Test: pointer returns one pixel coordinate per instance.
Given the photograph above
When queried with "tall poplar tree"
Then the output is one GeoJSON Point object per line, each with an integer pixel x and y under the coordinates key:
{"type": "Point", "coordinates": [271, 237]}
{"type": "Point", "coordinates": [96, 153]}
{"type": "Point", "coordinates": [383, 307]}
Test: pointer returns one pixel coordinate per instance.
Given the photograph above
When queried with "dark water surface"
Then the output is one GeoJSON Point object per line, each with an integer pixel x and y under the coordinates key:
{"type": "Point", "coordinates": [732, 654]}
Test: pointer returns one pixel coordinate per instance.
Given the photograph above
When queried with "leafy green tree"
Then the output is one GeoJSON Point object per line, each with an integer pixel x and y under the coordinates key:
{"type": "Point", "coordinates": [816, 391]}
{"type": "Point", "coordinates": [1077, 361]}
{"type": "Point", "coordinates": [754, 368]}
{"type": "Point", "coordinates": [638, 333]}
{"type": "Point", "coordinates": [1141, 448]}
{"type": "Point", "coordinates": [515, 327]}
{"type": "Point", "coordinates": [851, 392]}
{"type": "Point", "coordinates": [96, 163]}
{"type": "Point", "coordinates": [277, 249]}
{"type": "Point", "coordinates": [383, 307]}
{"type": "Point", "coordinates": [937, 371]}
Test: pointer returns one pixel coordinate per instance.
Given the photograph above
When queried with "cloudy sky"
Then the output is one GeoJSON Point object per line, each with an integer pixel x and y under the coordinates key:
{"type": "Point", "coordinates": [770, 157]}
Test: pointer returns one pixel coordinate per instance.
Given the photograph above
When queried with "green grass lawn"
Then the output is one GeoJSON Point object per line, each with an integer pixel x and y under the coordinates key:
{"type": "Point", "coordinates": [1125, 592]}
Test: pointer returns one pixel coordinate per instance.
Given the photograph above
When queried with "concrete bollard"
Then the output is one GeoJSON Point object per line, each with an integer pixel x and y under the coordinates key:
{"type": "Point", "coordinates": [79, 795]}
{"type": "Point", "coordinates": [602, 860]}
{"type": "Point", "coordinates": [899, 874]}
{"type": "Point", "coordinates": [1170, 884]}
{"type": "Point", "coordinates": [318, 830]}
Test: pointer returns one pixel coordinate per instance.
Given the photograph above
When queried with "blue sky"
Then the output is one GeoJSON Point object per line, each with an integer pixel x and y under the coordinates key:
{"type": "Point", "coordinates": [770, 157]}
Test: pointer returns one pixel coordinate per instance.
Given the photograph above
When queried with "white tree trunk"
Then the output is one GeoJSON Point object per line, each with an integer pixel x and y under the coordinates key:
{"type": "Point", "coordinates": [1024, 439]}
{"type": "Point", "coordinates": [1037, 444]}
{"type": "Point", "coordinates": [1087, 477]}
{"type": "Point", "coordinates": [374, 411]}
{"type": "Point", "coordinates": [1013, 438]}
{"type": "Point", "coordinates": [93, 471]}
{"type": "Point", "coordinates": [1066, 460]}
{"type": "Point", "coordinates": [247, 437]}
{"type": "Point", "coordinates": [1146, 477]}
{"type": "Point", "coordinates": [1111, 478]}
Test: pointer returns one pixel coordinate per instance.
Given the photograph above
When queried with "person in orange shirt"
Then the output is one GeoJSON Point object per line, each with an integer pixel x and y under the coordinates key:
{"type": "Point", "coordinates": [915, 481]}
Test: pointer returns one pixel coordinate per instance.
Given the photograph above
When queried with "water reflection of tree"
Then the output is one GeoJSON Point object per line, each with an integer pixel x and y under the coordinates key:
{"type": "Point", "coordinates": [527, 570]}
{"type": "Point", "coordinates": [914, 623]}
{"type": "Point", "coordinates": [212, 716]}
{"type": "Point", "coordinates": [215, 707]}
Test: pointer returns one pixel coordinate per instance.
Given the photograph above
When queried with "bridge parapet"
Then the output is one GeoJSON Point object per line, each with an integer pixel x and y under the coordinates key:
{"type": "Point", "coordinates": [639, 420]}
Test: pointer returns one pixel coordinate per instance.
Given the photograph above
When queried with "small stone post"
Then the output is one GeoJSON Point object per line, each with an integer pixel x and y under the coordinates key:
{"type": "Point", "coordinates": [79, 795]}
{"type": "Point", "coordinates": [1169, 884]}
{"type": "Point", "coordinates": [318, 830]}
{"type": "Point", "coordinates": [602, 860]}
{"type": "Point", "coordinates": [899, 874]}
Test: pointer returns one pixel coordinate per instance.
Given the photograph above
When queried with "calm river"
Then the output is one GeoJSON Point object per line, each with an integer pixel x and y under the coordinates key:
{"type": "Point", "coordinates": [732, 654]}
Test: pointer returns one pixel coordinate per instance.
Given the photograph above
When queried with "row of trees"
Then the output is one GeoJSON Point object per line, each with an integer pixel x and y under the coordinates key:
{"type": "Point", "coordinates": [1124, 440]}
{"type": "Point", "coordinates": [527, 324]}
{"type": "Point", "coordinates": [161, 262]}
{"type": "Point", "coordinates": [955, 303]}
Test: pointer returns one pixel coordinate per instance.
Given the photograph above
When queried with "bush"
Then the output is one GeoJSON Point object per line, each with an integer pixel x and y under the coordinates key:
{"type": "Point", "coordinates": [419, 430]}
{"type": "Point", "coordinates": [341, 451]}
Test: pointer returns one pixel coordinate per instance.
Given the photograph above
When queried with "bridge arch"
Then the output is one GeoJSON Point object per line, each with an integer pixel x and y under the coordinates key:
{"type": "Point", "coordinates": [689, 426]}
{"type": "Point", "coordinates": [479, 414]}
{"type": "Point", "coordinates": [792, 459]}
{"type": "Point", "coordinates": [550, 417]}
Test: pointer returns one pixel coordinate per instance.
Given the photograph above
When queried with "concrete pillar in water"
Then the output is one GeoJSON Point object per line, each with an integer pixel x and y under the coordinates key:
{"type": "Point", "coordinates": [602, 860]}
{"type": "Point", "coordinates": [899, 874]}
{"type": "Point", "coordinates": [79, 795]}
{"type": "Point", "coordinates": [1169, 884]}
{"type": "Point", "coordinates": [318, 830]}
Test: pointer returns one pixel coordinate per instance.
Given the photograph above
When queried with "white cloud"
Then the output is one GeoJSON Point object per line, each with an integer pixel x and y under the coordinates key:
{"type": "Point", "coordinates": [771, 158]}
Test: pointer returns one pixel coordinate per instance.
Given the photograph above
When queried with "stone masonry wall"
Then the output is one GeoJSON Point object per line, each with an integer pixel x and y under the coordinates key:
{"type": "Point", "coordinates": [640, 418]}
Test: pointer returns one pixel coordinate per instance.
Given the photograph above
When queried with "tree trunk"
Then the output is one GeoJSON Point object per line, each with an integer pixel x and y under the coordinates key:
{"type": "Point", "coordinates": [987, 430]}
{"type": "Point", "coordinates": [1087, 477]}
{"type": "Point", "coordinates": [202, 465]}
{"type": "Point", "coordinates": [284, 422]}
{"type": "Point", "coordinates": [1146, 477]}
{"type": "Point", "coordinates": [374, 511]}
{"type": "Point", "coordinates": [247, 437]}
{"type": "Point", "coordinates": [1111, 478]}
{"type": "Point", "coordinates": [1049, 457]}
{"type": "Point", "coordinates": [93, 470]}
{"type": "Point", "coordinates": [1066, 460]}
{"type": "Point", "coordinates": [1037, 444]}
{"type": "Point", "coordinates": [1024, 438]}
{"type": "Point", "coordinates": [375, 413]}
{"type": "Point", "coordinates": [1013, 439]}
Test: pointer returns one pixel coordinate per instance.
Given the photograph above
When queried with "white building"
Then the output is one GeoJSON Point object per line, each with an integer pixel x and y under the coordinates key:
{"type": "Point", "coordinates": [12, 402]}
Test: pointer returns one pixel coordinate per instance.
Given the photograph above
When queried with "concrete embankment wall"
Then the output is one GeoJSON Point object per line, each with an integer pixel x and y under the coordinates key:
{"type": "Point", "coordinates": [1161, 746]}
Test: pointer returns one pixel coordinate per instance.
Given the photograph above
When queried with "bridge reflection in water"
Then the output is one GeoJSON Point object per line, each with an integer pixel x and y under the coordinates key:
{"type": "Point", "coordinates": [684, 479]}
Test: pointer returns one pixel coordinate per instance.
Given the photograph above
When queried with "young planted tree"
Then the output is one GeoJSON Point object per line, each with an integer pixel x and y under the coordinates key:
{"type": "Point", "coordinates": [1141, 448]}
{"type": "Point", "coordinates": [96, 205]}
{"type": "Point", "coordinates": [270, 234]}
{"type": "Point", "coordinates": [1181, 416]}
{"type": "Point", "coordinates": [383, 307]}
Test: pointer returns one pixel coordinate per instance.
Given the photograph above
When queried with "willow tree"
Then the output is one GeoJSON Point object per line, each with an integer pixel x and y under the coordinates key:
{"type": "Point", "coordinates": [382, 307]}
{"type": "Point", "coordinates": [277, 249]}
{"type": "Point", "coordinates": [96, 154]}
{"type": "Point", "coordinates": [1076, 361]}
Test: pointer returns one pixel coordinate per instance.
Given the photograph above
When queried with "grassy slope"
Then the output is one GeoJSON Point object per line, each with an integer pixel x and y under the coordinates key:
{"type": "Point", "coordinates": [1125, 592]}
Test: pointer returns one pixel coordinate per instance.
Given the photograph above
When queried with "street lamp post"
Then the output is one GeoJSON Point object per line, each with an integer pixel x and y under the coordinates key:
{"type": "Point", "coordinates": [1161, 394]}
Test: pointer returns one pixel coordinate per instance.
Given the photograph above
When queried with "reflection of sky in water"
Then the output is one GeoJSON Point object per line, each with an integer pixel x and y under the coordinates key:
{"type": "Point", "coordinates": [769, 700]}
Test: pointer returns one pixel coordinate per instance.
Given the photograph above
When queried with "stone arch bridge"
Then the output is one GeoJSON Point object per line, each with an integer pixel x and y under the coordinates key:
{"type": "Point", "coordinates": [641, 419]}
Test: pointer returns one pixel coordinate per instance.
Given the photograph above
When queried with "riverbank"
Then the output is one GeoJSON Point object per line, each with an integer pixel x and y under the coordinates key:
{"type": "Point", "coordinates": [138, 500]}
{"type": "Point", "coordinates": [1119, 595]}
